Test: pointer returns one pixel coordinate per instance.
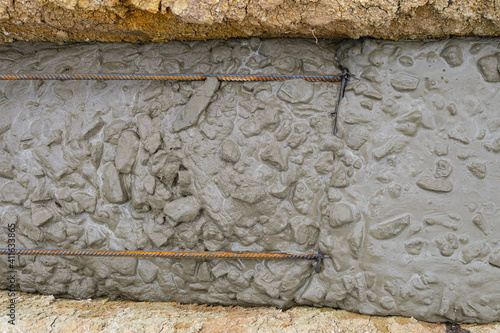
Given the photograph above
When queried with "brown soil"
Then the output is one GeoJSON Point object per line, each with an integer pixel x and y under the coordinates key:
{"type": "Point", "coordinates": [164, 20]}
{"type": "Point", "coordinates": [37, 313]}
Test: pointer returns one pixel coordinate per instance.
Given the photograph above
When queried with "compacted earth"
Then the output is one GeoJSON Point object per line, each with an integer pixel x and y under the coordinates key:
{"type": "Point", "coordinates": [403, 200]}
{"type": "Point", "coordinates": [42, 314]}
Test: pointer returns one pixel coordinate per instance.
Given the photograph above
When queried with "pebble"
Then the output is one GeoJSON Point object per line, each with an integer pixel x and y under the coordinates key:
{"type": "Point", "coordinates": [230, 151]}
{"type": "Point", "coordinates": [112, 185]}
{"type": "Point", "coordinates": [452, 54]}
{"type": "Point", "coordinates": [404, 82]}
{"type": "Point", "coordinates": [436, 185]}
{"type": "Point", "coordinates": [477, 169]}
{"type": "Point", "coordinates": [126, 151]}
{"type": "Point", "coordinates": [183, 209]}
{"type": "Point", "coordinates": [192, 111]}
{"type": "Point", "coordinates": [296, 91]}
{"type": "Point", "coordinates": [391, 228]}
{"type": "Point", "coordinates": [488, 67]}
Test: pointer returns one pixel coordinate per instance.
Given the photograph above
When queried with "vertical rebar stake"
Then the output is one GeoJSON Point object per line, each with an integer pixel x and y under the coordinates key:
{"type": "Point", "coordinates": [345, 80]}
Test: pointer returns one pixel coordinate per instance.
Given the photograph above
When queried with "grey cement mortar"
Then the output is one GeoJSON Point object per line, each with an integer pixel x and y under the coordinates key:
{"type": "Point", "coordinates": [404, 200]}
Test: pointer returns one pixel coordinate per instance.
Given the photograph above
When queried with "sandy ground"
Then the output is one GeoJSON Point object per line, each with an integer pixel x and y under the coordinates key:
{"type": "Point", "coordinates": [36, 313]}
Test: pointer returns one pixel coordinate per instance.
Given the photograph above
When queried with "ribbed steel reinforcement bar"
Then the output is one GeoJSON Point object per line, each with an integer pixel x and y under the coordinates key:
{"type": "Point", "coordinates": [318, 257]}
{"type": "Point", "coordinates": [164, 77]}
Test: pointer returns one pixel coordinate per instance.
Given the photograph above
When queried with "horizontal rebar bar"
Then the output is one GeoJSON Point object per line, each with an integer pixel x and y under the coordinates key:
{"type": "Point", "coordinates": [160, 254]}
{"type": "Point", "coordinates": [163, 77]}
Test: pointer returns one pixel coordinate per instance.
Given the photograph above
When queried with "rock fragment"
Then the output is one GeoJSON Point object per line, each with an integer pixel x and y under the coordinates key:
{"type": "Point", "coordinates": [85, 200]}
{"type": "Point", "coordinates": [325, 163]}
{"type": "Point", "coordinates": [488, 67]}
{"type": "Point", "coordinates": [126, 151]}
{"type": "Point", "coordinates": [452, 54]}
{"type": "Point", "coordinates": [230, 151]}
{"type": "Point", "coordinates": [14, 193]}
{"type": "Point", "coordinates": [414, 247]}
{"type": "Point", "coordinates": [249, 194]}
{"type": "Point", "coordinates": [296, 91]}
{"type": "Point", "coordinates": [446, 224]}
{"type": "Point", "coordinates": [458, 136]}
{"type": "Point", "coordinates": [7, 170]}
{"type": "Point", "coordinates": [356, 137]}
{"type": "Point", "coordinates": [262, 119]}
{"type": "Point", "coordinates": [443, 168]}
{"type": "Point", "coordinates": [191, 112]}
{"type": "Point", "coordinates": [477, 169]}
{"type": "Point", "coordinates": [112, 186]}
{"type": "Point", "coordinates": [495, 258]}
{"type": "Point", "coordinates": [339, 177]}
{"type": "Point", "coordinates": [435, 184]}
{"type": "Point", "coordinates": [479, 221]}
{"type": "Point", "coordinates": [52, 161]}
{"type": "Point", "coordinates": [409, 123]}
{"type": "Point", "coordinates": [394, 146]}
{"type": "Point", "coordinates": [274, 157]}
{"type": "Point", "coordinates": [183, 210]}
{"type": "Point", "coordinates": [390, 229]}
{"type": "Point", "coordinates": [302, 198]}
{"type": "Point", "coordinates": [113, 130]}
{"type": "Point", "coordinates": [404, 82]}
{"type": "Point", "coordinates": [476, 250]}
{"type": "Point", "coordinates": [447, 244]}
{"type": "Point", "coordinates": [93, 128]}
{"type": "Point", "coordinates": [336, 215]}
{"type": "Point", "coordinates": [41, 215]}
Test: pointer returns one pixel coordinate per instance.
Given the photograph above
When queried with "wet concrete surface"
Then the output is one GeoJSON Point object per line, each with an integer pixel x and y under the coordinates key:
{"type": "Point", "coordinates": [404, 200]}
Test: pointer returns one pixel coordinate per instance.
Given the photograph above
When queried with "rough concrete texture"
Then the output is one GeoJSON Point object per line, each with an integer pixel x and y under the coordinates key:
{"type": "Point", "coordinates": [404, 199]}
{"type": "Point", "coordinates": [48, 314]}
{"type": "Point", "coordinates": [164, 20]}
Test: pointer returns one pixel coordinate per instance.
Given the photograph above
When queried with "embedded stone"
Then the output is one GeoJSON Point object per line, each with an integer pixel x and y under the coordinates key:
{"type": "Point", "coordinates": [435, 184]}
{"type": "Point", "coordinates": [183, 210]}
{"type": "Point", "coordinates": [339, 177]}
{"type": "Point", "coordinates": [325, 163]}
{"type": "Point", "coordinates": [249, 194]}
{"type": "Point", "coordinates": [394, 146]}
{"type": "Point", "coordinates": [414, 247]}
{"type": "Point", "coordinates": [41, 215]}
{"type": "Point", "coordinates": [113, 130]}
{"type": "Point", "coordinates": [52, 161]}
{"type": "Point", "coordinates": [112, 185]}
{"type": "Point", "coordinates": [198, 103]}
{"type": "Point", "coordinates": [274, 157]}
{"type": "Point", "coordinates": [230, 151]}
{"type": "Point", "coordinates": [85, 200]}
{"type": "Point", "coordinates": [7, 170]}
{"type": "Point", "coordinates": [495, 258]}
{"type": "Point", "coordinates": [262, 119]}
{"type": "Point", "coordinates": [336, 215]}
{"type": "Point", "coordinates": [390, 229]}
{"type": "Point", "coordinates": [302, 198]}
{"type": "Point", "coordinates": [443, 168]}
{"type": "Point", "coordinates": [488, 67]}
{"type": "Point", "coordinates": [479, 221]}
{"type": "Point", "coordinates": [476, 250]}
{"type": "Point", "coordinates": [14, 193]}
{"type": "Point", "coordinates": [452, 54]}
{"type": "Point", "coordinates": [404, 82]}
{"type": "Point", "coordinates": [296, 91]}
{"type": "Point", "coordinates": [126, 151]}
{"type": "Point", "coordinates": [477, 169]}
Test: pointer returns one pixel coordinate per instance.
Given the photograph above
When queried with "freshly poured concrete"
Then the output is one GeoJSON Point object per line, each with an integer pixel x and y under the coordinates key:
{"type": "Point", "coordinates": [404, 199]}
